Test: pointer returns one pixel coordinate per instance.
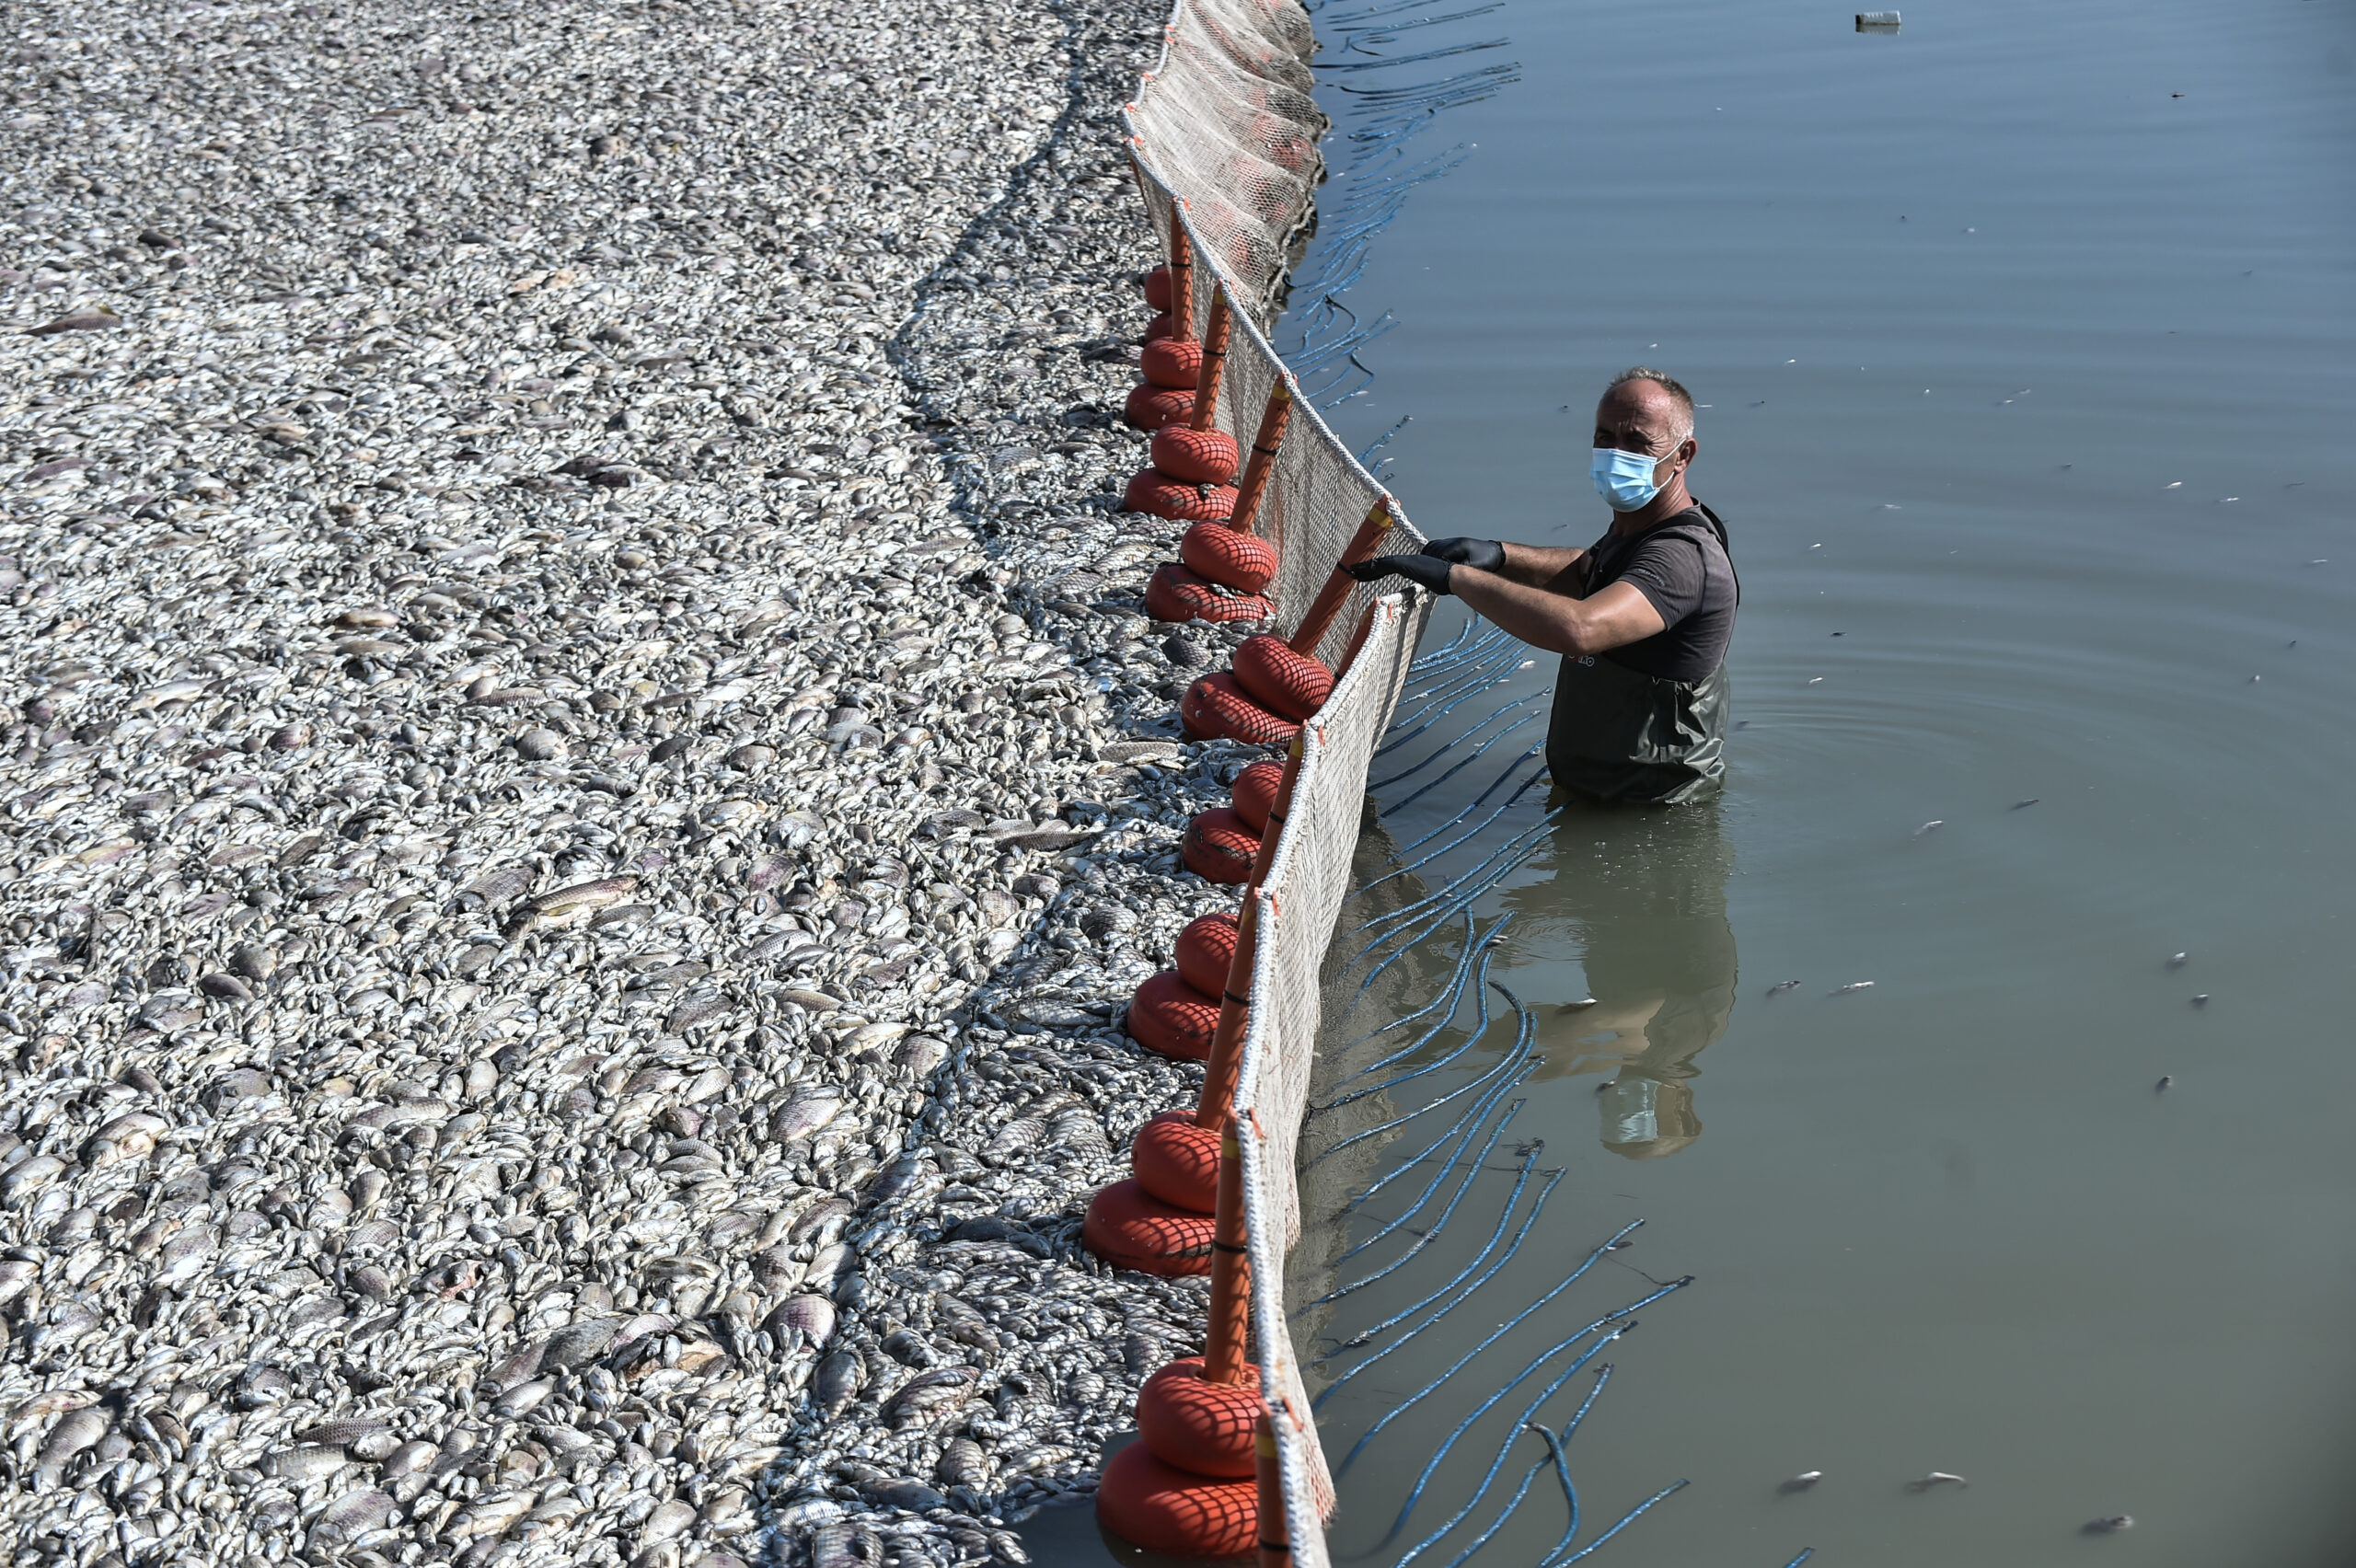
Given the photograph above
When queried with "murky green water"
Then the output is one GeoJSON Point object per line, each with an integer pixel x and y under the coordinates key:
{"type": "Point", "coordinates": [2030, 392]}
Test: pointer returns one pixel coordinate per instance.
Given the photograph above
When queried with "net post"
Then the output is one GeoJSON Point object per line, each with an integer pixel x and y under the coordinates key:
{"type": "Point", "coordinates": [1274, 420]}
{"type": "Point", "coordinates": [1320, 618]}
{"type": "Point", "coordinates": [1215, 336]}
{"type": "Point", "coordinates": [1230, 1307]}
{"type": "Point", "coordinates": [1276, 1538]}
{"type": "Point", "coordinates": [1182, 273]}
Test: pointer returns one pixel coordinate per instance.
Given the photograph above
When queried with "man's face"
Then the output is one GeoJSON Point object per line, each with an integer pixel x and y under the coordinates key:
{"type": "Point", "coordinates": [1640, 416]}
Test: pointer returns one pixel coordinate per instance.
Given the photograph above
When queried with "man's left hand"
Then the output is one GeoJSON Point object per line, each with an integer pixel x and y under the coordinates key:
{"type": "Point", "coordinates": [1421, 570]}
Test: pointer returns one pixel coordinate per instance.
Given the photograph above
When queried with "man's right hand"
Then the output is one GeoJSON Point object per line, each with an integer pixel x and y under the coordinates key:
{"type": "Point", "coordinates": [1482, 555]}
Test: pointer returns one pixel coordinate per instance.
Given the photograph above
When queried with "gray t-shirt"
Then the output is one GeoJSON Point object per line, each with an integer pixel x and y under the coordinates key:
{"type": "Point", "coordinates": [1680, 567]}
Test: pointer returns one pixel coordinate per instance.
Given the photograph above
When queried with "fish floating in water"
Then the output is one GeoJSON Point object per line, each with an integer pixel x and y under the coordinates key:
{"type": "Point", "coordinates": [1780, 987]}
{"type": "Point", "coordinates": [2177, 961]}
{"type": "Point", "coordinates": [1801, 1481]}
{"type": "Point", "coordinates": [1934, 822]}
{"type": "Point", "coordinates": [1853, 986]}
{"type": "Point", "coordinates": [1935, 1477]}
{"type": "Point", "coordinates": [2106, 1526]}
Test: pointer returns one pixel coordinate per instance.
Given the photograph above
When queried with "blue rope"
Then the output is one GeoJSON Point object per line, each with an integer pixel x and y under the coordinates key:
{"type": "Point", "coordinates": [1525, 1036]}
{"type": "Point", "coordinates": [1505, 1217]}
{"type": "Point", "coordinates": [1490, 1476]}
{"type": "Point", "coordinates": [1460, 767]}
{"type": "Point", "coordinates": [1433, 1186]}
{"type": "Point", "coordinates": [1447, 746]}
{"type": "Point", "coordinates": [1426, 1239]}
{"type": "Point", "coordinates": [1480, 1027]}
{"type": "Point", "coordinates": [1626, 1520]}
{"type": "Point", "coordinates": [1432, 1465]}
{"type": "Point", "coordinates": [1434, 833]}
{"type": "Point", "coordinates": [1454, 988]}
{"type": "Point", "coordinates": [1500, 1331]}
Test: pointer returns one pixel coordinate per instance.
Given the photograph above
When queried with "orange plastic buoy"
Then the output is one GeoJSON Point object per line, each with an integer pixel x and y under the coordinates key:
{"type": "Point", "coordinates": [1152, 491]}
{"type": "Point", "coordinates": [1152, 1503]}
{"type": "Point", "coordinates": [1177, 1161]}
{"type": "Point", "coordinates": [1217, 706]}
{"type": "Point", "coordinates": [1174, 594]}
{"type": "Point", "coordinates": [1199, 1427]}
{"type": "Point", "coordinates": [1160, 326]}
{"type": "Point", "coordinates": [1206, 946]}
{"type": "Point", "coordinates": [1150, 407]}
{"type": "Point", "coordinates": [1254, 794]}
{"type": "Point", "coordinates": [1292, 684]}
{"type": "Point", "coordinates": [1218, 847]}
{"type": "Point", "coordinates": [1172, 362]}
{"type": "Point", "coordinates": [1130, 1228]}
{"type": "Point", "coordinates": [1198, 456]}
{"type": "Point", "coordinates": [1156, 289]}
{"type": "Point", "coordinates": [1244, 562]}
{"type": "Point", "coordinates": [1170, 1016]}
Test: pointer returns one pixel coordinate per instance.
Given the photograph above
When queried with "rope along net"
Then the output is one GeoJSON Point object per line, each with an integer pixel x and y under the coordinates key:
{"type": "Point", "coordinates": [1224, 136]}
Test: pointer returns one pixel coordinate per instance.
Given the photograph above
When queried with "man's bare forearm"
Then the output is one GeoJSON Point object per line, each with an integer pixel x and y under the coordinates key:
{"type": "Point", "coordinates": [1539, 566]}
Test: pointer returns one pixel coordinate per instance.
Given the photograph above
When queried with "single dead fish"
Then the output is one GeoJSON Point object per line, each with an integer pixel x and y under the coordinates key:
{"type": "Point", "coordinates": [1937, 1478]}
{"type": "Point", "coordinates": [1780, 987]}
{"type": "Point", "coordinates": [1801, 1481]}
{"type": "Point", "coordinates": [2108, 1525]}
{"type": "Point", "coordinates": [1934, 822]}
{"type": "Point", "coordinates": [570, 906]}
{"type": "Point", "coordinates": [837, 1382]}
{"type": "Point", "coordinates": [1853, 986]}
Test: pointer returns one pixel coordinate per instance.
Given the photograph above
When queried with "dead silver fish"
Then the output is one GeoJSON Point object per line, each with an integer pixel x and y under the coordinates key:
{"type": "Point", "coordinates": [1780, 987]}
{"type": "Point", "coordinates": [570, 906]}
{"type": "Point", "coordinates": [838, 1381]}
{"type": "Point", "coordinates": [805, 1113]}
{"type": "Point", "coordinates": [1853, 986]}
{"type": "Point", "coordinates": [929, 1393]}
{"type": "Point", "coordinates": [821, 1222]}
{"type": "Point", "coordinates": [1801, 1481]}
{"type": "Point", "coordinates": [1937, 1478]}
{"type": "Point", "coordinates": [2109, 1524]}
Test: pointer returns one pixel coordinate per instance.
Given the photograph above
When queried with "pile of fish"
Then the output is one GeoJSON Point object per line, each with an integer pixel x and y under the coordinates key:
{"type": "Point", "coordinates": [584, 783]}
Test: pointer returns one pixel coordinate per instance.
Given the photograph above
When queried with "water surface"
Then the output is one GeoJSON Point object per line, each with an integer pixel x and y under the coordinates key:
{"type": "Point", "coordinates": [2029, 391]}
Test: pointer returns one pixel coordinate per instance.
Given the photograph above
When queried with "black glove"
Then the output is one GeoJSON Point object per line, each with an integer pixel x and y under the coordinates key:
{"type": "Point", "coordinates": [1420, 569]}
{"type": "Point", "coordinates": [1482, 555]}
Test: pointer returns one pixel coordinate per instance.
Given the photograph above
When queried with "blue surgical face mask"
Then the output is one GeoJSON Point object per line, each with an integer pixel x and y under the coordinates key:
{"type": "Point", "coordinates": [1624, 480]}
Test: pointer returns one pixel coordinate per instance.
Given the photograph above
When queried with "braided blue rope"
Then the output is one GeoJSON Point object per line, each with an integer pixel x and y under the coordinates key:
{"type": "Point", "coordinates": [1626, 1520]}
{"type": "Point", "coordinates": [1490, 1476]}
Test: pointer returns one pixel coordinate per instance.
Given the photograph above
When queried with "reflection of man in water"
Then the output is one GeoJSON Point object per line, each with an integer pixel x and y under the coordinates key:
{"type": "Point", "coordinates": [1644, 896]}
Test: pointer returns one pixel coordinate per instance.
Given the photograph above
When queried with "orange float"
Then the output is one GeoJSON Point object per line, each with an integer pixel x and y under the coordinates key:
{"type": "Point", "coordinates": [1216, 706]}
{"type": "Point", "coordinates": [1177, 1161]}
{"type": "Point", "coordinates": [1198, 1424]}
{"type": "Point", "coordinates": [1175, 362]}
{"type": "Point", "coordinates": [1174, 594]}
{"type": "Point", "coordinates": [1152, 1503]}
{"type": "Point", "coordinates": [1198, 455]}
{"type": "Point", "coordinates": [1150, 407]}
{"type": "Point", "coordinates": [1170, 1016]}
{"type": "Point", "coordinates": [1244, 562]}
{"type": "Point", "coordinates": [1206, 946]}
{"type": "Point", "coordinates": [1290, 682]}
{"type": "Point", "coordinates": [1160, 326]}
{"type": "Point", "coordinates": [1156, 289]}
{"type": "Point", "coordinates": [1151, 490]}
{"type": "Point", "coordinates": [1218, 847]}
{"type": "Point", "coordinates": [1255, 796]}
{"type": "Point", "coordinates": [1130, 1228]}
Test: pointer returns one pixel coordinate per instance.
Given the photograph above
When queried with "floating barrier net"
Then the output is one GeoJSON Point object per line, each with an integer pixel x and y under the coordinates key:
{"type": "Point", "coordinates": [1224, 136]}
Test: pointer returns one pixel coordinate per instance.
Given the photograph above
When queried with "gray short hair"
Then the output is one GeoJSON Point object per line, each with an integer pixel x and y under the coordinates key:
{"type": "Point", "coordinates": [1667, 383]}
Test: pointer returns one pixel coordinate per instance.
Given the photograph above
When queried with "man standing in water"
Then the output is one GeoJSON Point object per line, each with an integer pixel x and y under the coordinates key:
{"type": "Point", "coordinates": [1642, 617]}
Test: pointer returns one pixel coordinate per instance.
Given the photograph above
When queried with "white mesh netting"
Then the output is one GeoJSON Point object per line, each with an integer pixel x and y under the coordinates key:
{"type": "Point", "coordinates": [1225, 139]}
